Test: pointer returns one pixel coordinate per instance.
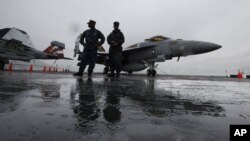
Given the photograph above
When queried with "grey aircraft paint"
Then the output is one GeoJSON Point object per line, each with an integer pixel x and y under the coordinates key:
{"type": "Point", "coordinates": [158, 49]}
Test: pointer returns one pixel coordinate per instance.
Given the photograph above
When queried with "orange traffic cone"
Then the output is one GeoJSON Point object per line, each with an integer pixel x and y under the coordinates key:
{"type": "Point", "coordinates": [240, 75]}
{"type": "Point", "coordinates": [31, 68]}
{"type": "Point", "coordinates": [44, 68]}
{"type": "Point", "coordinates": [10, 67]}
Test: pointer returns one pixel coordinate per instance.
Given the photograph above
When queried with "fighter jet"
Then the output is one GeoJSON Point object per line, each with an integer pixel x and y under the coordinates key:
{"type": "Point", "coordinates": [15, 44]}
{"type": "Point", "coordinates": [145, 54]}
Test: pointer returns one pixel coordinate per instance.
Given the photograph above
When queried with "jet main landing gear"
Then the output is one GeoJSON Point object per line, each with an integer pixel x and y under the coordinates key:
{"type": "Point", "coordinates": [106, 70]}
{"type": "Point", "coordinates": [130, 72]}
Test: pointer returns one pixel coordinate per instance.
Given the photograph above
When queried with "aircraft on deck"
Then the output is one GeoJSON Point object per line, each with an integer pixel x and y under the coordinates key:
{"type": "Point", "coordinates": [15, 44]}
{"type": "Point", "coordinates": [155, 49]}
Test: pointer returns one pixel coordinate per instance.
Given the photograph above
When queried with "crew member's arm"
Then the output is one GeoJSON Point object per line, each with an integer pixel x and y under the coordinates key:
{"type": "Point", "coordinates": [101, 36]}
{"type": "Point", "coordinates": [109, 39]}
{"type": "Point", "coordinates": [122, 39]}
{"type": "Point", "coordinates": [82, 38]}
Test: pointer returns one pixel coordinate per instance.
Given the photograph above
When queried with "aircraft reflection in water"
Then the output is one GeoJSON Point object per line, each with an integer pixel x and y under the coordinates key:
{"type": "Point", "coordinates": [144, 96]}
{"type": "Point", "coordinates": [162, 103]}
{"type": "Point", "coordinates": [9, 98]}
{"type": "Point", "coordinates": [132, 108]}
{"type": "Point", "coordinates": [11, 93]}
{"type": "Point", "coordinates": [50, 91]}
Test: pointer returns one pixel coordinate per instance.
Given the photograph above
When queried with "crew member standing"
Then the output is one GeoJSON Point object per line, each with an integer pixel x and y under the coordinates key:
{"type": "Point", "coordinates": [90, 40]}
{"type": "Point", "coordinates": [115, 40]}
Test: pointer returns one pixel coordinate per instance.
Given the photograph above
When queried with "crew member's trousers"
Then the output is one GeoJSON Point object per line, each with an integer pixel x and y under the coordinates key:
{"type": "Point", "coordinates": [88, 58]}
{"type": "Point", "coordinates": [115, 59]}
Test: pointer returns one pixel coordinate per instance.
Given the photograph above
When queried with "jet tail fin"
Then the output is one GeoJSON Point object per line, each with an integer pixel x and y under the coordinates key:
{"type": "Point", "coordinates": [101, 49]}
{"type": "Point", "coordinates": [55, 50]}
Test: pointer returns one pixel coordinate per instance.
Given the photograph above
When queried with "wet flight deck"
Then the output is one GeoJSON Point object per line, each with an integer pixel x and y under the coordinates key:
{"type": "Point", "coordinates": [58, 107]}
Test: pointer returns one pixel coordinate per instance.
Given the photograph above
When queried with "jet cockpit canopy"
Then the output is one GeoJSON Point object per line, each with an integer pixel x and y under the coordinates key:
{"type": "Point", "coordinates": [157, 38]}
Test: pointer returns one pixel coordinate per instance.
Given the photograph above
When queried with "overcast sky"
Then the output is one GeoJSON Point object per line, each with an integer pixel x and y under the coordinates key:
{"type": "Point", "coordinates": [224, 22]}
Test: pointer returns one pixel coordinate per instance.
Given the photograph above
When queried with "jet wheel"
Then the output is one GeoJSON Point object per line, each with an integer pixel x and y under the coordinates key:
{"type": "Point", "coordinates": [105, 70]}
{"type": "Point", "coordinates": [130, 72]}
{"type": "Point", "coordinates": [153, 72]}
{"type": "Point", "coordinates": [149, 72]}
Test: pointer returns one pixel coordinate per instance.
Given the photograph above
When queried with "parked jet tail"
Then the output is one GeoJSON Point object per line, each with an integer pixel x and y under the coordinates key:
{"type": "Point", "coordinates": [55, 50]}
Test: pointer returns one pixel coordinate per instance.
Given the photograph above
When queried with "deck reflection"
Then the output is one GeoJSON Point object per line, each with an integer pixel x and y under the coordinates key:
{"type": "Point", "coordinates": [92, 100]}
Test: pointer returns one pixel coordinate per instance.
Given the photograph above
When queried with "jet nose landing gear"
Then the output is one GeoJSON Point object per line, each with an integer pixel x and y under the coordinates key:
{"type": "Point", "coordinates": [151, 72]}
{"type": "Point", "coordinates": [151, 69]}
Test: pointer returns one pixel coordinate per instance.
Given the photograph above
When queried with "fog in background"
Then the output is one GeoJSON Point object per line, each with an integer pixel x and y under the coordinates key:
{"type": "Point", "coordinates": [224, 22]}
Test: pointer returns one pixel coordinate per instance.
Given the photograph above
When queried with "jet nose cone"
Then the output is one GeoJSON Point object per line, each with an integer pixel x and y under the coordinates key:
{"type": "Point", "coordinates": [203, 47]}
{"type": "Point", "coordinates": [213, 46]}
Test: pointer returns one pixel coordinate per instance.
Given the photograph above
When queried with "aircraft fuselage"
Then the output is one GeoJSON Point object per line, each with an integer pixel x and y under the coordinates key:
{"type": "Point", "coordinates": [151, 52]}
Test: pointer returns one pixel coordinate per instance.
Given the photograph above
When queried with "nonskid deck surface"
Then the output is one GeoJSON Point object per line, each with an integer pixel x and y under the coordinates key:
{"type": "Point", "coordinates": [58, 106]}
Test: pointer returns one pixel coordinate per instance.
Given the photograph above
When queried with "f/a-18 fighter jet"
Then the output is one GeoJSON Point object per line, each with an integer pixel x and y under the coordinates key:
{"type": "Point", "coordinates": [15, 44]}
{"type": "Point", "coordinates": [144, 55]}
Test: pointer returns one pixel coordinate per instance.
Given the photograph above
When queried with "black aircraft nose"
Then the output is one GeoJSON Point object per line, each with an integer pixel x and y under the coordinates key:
{"type": "Point", "coordinates": [213, 46]}
{"type": "Point", "coordinates": [203, 47]}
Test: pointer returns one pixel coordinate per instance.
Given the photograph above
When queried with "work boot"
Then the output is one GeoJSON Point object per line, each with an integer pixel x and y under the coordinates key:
{"type": "Point", "coordinates": [111, 75]}
{"type": "Point", "coordinates": [77, 74]}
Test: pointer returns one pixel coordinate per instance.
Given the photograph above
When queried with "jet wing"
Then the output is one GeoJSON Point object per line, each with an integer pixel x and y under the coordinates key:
{"type": "Point", "coordinates": [139, 46]}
